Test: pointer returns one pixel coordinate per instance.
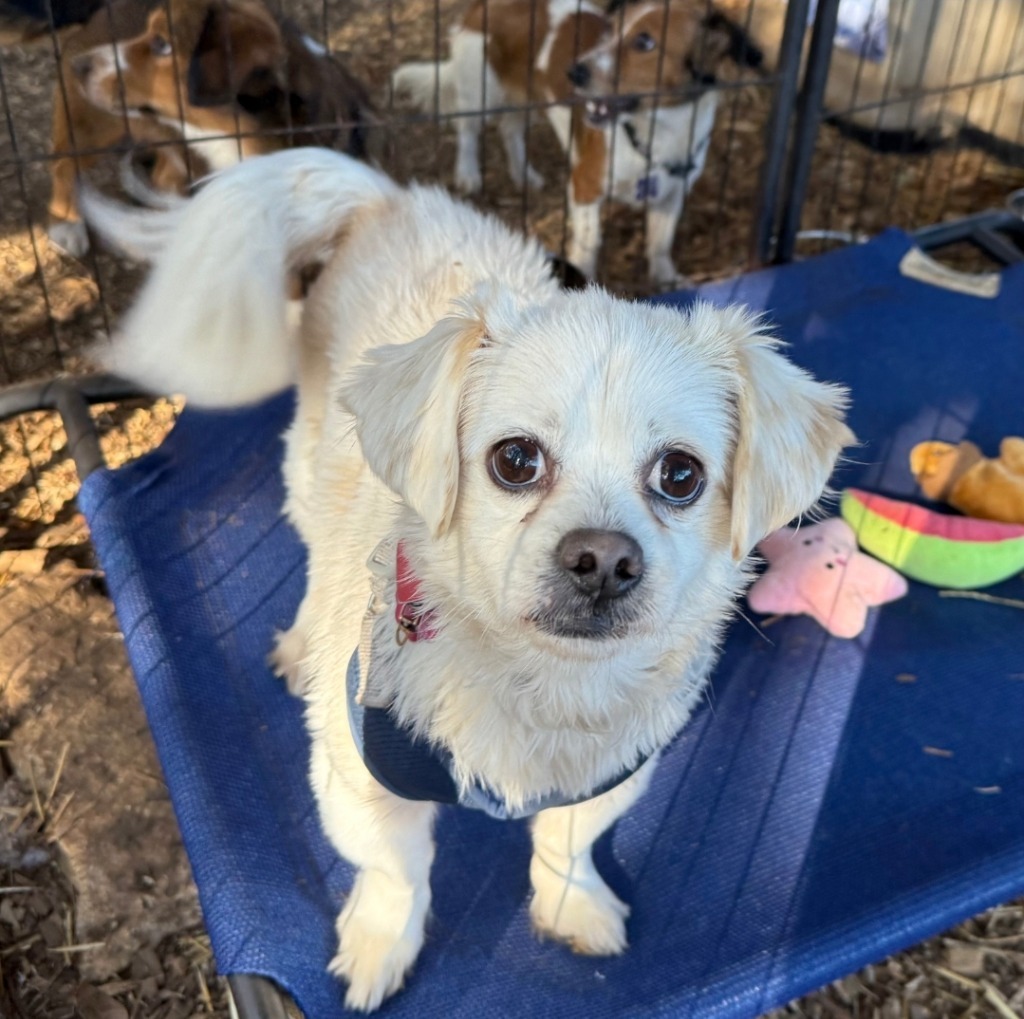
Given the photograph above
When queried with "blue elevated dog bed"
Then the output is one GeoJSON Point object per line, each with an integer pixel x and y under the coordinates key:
{"type": "Point", "coordinates": [835, 801]}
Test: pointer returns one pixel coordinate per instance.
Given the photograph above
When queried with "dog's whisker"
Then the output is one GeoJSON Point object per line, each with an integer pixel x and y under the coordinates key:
{"type": "Point", "coordinates": [757, 629]}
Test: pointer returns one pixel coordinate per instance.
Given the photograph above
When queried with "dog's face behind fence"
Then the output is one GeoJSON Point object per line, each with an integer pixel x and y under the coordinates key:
{"type": "Point", "coordinates": [237, 50]}
{"type": "Point", "coordinates": [127, 75]}
{"type": "Point", "coordinates": [592, 471]}
{"type": "Point", "coordinates": [653, 47]}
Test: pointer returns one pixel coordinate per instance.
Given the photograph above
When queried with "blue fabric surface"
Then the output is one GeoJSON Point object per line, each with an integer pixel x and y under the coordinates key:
{"type": "Point", "coordinates": [797, 830]}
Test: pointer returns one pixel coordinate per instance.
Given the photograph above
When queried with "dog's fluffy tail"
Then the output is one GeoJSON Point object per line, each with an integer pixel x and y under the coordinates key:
{"type": "Point", "coordinates": [140, 234]}
{"type": "Point", "coordinates": [428, 86]}
{"type": "Point", "coordinates": [212, 319]}
{"type": "Point", "coordinates": [136, 185]}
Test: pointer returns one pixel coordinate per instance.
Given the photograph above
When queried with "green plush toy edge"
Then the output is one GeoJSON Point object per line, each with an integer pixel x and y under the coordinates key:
{"type": "Point", "coordinates": [934, 548]}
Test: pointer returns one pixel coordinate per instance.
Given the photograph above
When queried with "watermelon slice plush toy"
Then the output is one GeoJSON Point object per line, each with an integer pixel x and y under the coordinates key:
{"type": "Point", "coordinates": [935, 548]}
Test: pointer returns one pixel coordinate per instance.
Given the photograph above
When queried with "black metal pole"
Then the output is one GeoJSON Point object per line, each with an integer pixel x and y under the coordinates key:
{"type": "Point", "coordinates": [256, 997]}
{"type": "Point", "coordinates": [780, 119]}
{"type": "Point", "coordinates": [998, 233]}
{"type": "Point", "coordinates": [70, 397]}
{"type": "Point", "coordinates": [808, 121]}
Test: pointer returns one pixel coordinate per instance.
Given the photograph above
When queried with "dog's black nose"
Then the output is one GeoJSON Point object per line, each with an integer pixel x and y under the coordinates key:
{"type": "Point", "coordinates": [81, 66]}
{"type": "Point", "coordinates": [602, 564]}
{"type": "Point", "coordinates": [579, 74]}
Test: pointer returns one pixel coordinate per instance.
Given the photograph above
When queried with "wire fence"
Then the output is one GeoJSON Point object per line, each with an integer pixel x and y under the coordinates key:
{"type": "Point", "coordinates": [921, 121]}
{"type": "Point", "coordinates": [928, 127]}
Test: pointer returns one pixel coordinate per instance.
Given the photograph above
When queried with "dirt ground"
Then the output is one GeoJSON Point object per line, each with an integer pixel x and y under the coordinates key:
{"type": "Point", "coordinates": [98, 915]}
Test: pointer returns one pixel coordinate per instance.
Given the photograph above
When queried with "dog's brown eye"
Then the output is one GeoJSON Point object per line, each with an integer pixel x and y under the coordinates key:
{"type": "Point", "coordinates": [516, 463]}
{"type": "Point", "coordinates": [677, 477]}
{"type": "Point", "coordinates": [644, 42]}
{"type": "Point", "coordinates": [160, 46]}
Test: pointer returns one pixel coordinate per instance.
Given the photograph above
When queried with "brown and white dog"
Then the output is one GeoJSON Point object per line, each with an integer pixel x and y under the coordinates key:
{"type": "Point", "coordinates": [202, 84]}
{"type": "Point", "coordinates": [644, 73]}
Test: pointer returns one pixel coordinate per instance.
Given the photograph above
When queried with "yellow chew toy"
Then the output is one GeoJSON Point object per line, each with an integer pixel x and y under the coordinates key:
{"type": "Point", "coordinates": [963, 477]}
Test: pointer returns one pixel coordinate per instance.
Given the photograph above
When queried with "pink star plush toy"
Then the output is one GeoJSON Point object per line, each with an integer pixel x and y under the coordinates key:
{"type": "Point", "coordinates": [818, 571]}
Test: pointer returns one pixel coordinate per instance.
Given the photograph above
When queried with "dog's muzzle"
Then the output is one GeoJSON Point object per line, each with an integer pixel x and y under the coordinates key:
{"type": "Point", "coordinates": [596, 572]}
{"type": "Point", "coordinates": [603, 109]}
{"type": "Point", "coordinates": [602, 564]}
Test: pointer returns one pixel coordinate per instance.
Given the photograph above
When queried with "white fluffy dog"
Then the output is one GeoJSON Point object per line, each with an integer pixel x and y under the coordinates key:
{"type": "Point", "coordinates": [575, 483]}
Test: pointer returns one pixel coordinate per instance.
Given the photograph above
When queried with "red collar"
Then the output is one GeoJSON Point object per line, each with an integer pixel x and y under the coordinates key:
{"type": "Point", "coordinates": [414, 621]}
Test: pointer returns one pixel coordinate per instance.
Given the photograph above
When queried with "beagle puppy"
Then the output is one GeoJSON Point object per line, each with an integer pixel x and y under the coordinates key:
{"type": "Point", "coordinates": [631, 98]}
{"type": "Point", "coordinates": [193, 86]}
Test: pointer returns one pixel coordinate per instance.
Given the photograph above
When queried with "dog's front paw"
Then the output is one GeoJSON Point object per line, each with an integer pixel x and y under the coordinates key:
{"type": "Point", "coordinates": [286, 660]}
{"type": "Point", "coordinates": [665, 275]}
{"type": "Point", "coordinates": [377, 947]}
{"type": "Point", "coordinates": [468, 180]}
{"type": "Point", "coordinates": [583, 257]}
{"type": "Point", "coordinates": [588, 916]}
{"type": "Point", "coordinates": [373, 969]}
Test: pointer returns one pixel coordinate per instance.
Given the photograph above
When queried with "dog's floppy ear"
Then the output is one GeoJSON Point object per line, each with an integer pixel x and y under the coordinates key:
{"type": "Point", "coordinates": [239, 53]}
{"type": "Point", "coordinates": [790, 433]}
{"type": "Point", "coordinates": [324, 95]}
{"type": "Point", "coordinates": [732, 41]}
{"type": "Point", "coordinates": [406, 400]}
{"type": "Point", "coordinates": [714, 38]}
